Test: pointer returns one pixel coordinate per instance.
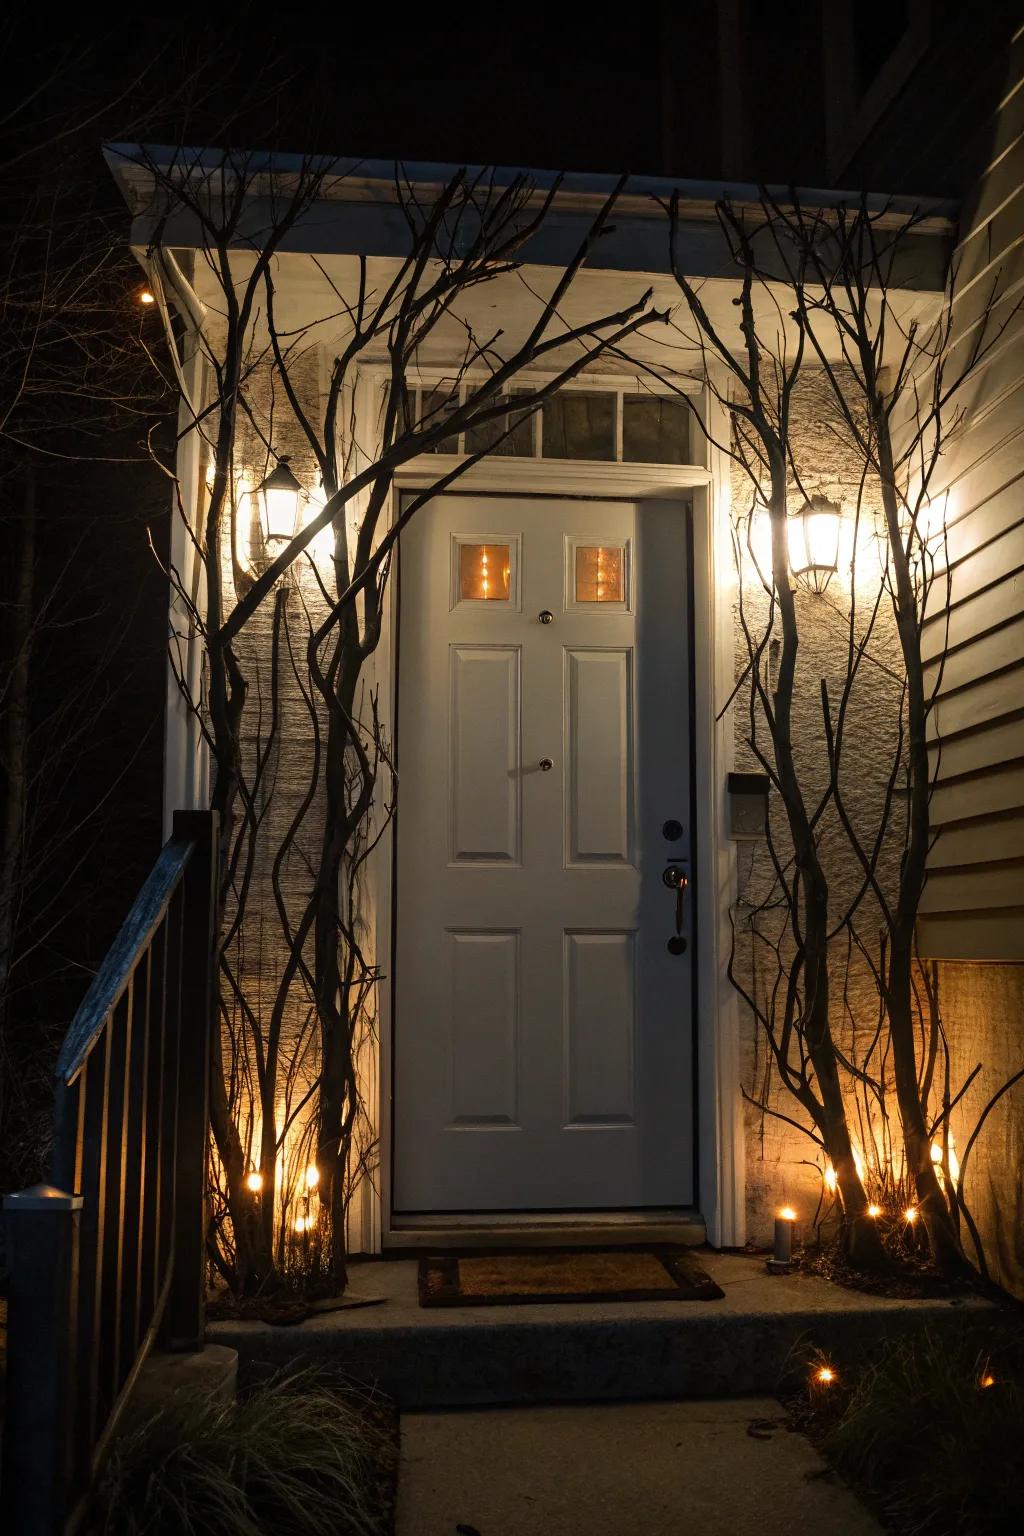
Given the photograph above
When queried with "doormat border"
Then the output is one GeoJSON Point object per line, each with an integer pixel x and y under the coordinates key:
{"type": "Point", "coordinates": [438, 1277]}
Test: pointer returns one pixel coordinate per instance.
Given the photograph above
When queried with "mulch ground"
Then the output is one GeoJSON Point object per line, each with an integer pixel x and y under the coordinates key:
{"type": "Point", "coordinates": [911, 1278]}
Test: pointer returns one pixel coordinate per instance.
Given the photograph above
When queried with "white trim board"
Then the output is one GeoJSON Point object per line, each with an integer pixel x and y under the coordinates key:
{"type": "Point", "coordinates": [721, 1171]}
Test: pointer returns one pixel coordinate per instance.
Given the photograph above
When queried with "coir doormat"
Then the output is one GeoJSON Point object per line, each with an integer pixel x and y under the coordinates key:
{"type": "Point", "coordinates": [659, 1273]}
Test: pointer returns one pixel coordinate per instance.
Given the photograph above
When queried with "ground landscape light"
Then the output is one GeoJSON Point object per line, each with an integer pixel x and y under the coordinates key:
{"type": "Point", "coordinates": [145, 297]}
{"type": "Point", "coordinates": [782, 1247]}
{"type": "Point", "coordinates": [814, 543]}
{"type": "Point", "coordinates": [874, 1210]}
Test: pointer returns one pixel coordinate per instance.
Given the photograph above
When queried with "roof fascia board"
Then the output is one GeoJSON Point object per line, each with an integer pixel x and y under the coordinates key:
{"type": "Point", "coordinates": [357, 212]}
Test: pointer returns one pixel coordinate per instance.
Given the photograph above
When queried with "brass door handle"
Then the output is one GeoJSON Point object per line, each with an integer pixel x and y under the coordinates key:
{"type": "Point", "coordinates": [677, 879]}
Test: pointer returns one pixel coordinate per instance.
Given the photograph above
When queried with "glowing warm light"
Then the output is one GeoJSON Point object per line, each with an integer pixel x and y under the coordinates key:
{"type": "Point", "coordinates": [254, 1181]}
{"type": "Point", "coordinates": [787, 1213]}
{"type": "Point", "coordinates": [303, 1223]}
{"type": "Point", "coordinates": [987, 1380]}
{"type": "Point", "coordinates": [278, 499]}
{"type": "Point", "coordinates": [910, 1214]}
{"type": "Point", "coordinates": [145, 297]}
{"type": "Point", "coordinates": [874, 1210]}
{"type": "Point", "coordinates": [830, 1178]}
{"type": "Point", "coordinates": [312, 1176]}
{"type": "Point", "coordinates": [825, 1374]}
{"type": "Point", "coordinates": [954, 1161]}
{"type": "Point", "coordinates": [814, 543]}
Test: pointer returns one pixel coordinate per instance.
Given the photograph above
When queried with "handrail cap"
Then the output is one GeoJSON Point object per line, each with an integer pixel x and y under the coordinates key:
{"type": "Point", "coordinates": [42, 1197]}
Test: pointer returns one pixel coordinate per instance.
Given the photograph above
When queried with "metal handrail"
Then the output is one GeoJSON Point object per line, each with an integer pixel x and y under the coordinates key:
{"type": "Point", "coordinates": [109, 1258]}
{"type": "Point", "coordinates": [115, 972]}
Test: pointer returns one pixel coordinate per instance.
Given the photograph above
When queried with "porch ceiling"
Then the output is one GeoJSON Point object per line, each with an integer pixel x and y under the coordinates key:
{"type": "Point", "coordinates": [502, 312]}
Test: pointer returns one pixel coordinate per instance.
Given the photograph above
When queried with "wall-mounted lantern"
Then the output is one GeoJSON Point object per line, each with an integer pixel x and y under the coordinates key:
{"type": "Point", "coordinates": [278, 500]}
{"type": "Point", "coordinates": [748, 805]}
{"type": "Point", "coordinates": [814, 543]}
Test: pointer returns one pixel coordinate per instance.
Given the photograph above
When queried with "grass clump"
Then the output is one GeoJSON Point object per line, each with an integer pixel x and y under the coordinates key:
{"type": "Point", "coordinates": [297, 1456]}
{"type": "Point", "coordinates": [932, 1432]}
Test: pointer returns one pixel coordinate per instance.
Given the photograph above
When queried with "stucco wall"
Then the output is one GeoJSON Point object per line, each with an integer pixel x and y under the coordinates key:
{"type": "Point", "coordinates": [284, 729]}
{"type": "Point", "coordinates": [784, 1165]}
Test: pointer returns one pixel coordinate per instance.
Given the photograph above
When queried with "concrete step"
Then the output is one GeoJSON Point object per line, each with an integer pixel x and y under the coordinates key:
{"type": "Point", "coordinates": [444, 1234]}
{"type": "Point", "coordinates": [743, 1344]}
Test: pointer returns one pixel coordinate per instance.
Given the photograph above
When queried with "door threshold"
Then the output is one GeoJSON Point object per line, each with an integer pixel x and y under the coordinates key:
{"type": "Point", "coordinates": [543, 1229]}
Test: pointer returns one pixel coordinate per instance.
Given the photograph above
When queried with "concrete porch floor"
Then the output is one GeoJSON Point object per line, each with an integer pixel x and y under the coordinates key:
{"type": "Point", "coordinates": [661, 1469]}
{"type": "Point", "coordinates": [742, 1344]}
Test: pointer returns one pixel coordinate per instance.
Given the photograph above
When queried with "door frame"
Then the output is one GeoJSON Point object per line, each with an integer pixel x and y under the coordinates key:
{"type": "Point", "coordinates": [720, 1182]}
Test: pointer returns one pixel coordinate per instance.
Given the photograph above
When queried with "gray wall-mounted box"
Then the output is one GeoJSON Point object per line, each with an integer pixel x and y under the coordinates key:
{"type": "Point", "coordinates": [747, 795]}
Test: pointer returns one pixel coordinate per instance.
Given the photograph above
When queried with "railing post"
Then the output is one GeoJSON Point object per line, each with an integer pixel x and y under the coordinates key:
{"type": "Point", "coordinates": [185, 1320]}
{"type": "Point", "coordinates": [42, 1227]}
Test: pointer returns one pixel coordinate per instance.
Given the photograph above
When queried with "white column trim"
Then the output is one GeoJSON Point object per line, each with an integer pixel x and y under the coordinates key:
{"type": "Point", "coordinates": [186, 766]}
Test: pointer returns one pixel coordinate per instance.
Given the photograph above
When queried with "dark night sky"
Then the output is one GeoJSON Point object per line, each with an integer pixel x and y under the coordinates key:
{"type": "Point", "coordinates": [553, 85]}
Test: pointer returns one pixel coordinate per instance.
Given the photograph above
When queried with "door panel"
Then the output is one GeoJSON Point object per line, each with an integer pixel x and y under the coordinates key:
{"type": "Point", "coordinates": [600, 973]}
{"type": "Point", "coordinates": [599, 755]}
{"type": "Point", "coordinates": [485, 768]}
{"type": "Point", "coordinates": [542, 1031]}
{"type": "Point", "coordinates": [484, 1051]}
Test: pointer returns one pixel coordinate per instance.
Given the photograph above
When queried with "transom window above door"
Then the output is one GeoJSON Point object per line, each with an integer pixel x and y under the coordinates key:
{"type": "Point", "coordinates": [614, 425]}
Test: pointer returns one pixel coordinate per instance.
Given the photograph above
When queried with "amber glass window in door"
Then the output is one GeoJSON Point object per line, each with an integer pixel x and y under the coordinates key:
{"type": "Point", "coordinates": [484, 571]}
{"type": "Point", "coordinates": [600, 574]}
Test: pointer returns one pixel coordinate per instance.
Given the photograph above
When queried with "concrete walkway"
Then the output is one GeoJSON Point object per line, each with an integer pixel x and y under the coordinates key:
{"type": "Point", "coordinates": [634, 1469]}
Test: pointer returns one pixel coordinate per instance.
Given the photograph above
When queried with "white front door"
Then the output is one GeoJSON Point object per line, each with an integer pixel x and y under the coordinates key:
{"type": "Point", "coordinates": [543, 1031]}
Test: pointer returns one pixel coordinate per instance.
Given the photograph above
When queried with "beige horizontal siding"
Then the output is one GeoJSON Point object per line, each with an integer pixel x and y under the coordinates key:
{"type": "Point", "coordinates": [980, 841]}
{"type": "Point", "coordinates": [979, 749]}
{"type": "Point", "coordinates": [973, 637]}
{"type": "Point", "coordinates": [973, 887]}
{"type": "Point", "coordinates": [998, 603]}
{"type": "Point", "coordinates": [993, 792]}
{"type": "Point", "coordinates": [984, 701]}
{"type": "Point", "coordinates": [995, 933]}
{"type": "Point", "coordinates": [994, 647]}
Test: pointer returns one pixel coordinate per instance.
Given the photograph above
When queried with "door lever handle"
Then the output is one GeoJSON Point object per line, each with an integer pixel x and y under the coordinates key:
{"type": "Point", "coordinates": [677, 879]}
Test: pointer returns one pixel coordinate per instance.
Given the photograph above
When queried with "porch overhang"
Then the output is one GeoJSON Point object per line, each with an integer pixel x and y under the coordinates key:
{"type": "Point", "coordinates": [360, 219]}
{"type": "Point", "coordinates": [359, 211]}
